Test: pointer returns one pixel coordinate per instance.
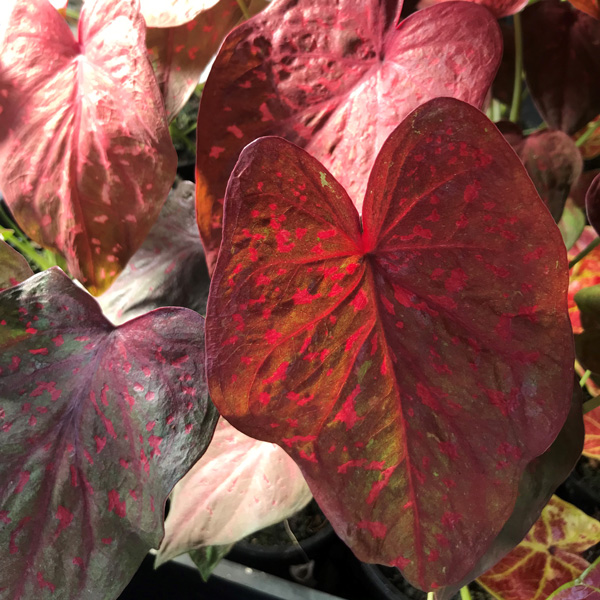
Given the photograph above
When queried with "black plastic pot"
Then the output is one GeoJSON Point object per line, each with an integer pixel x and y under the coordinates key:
{"type": "Point", "coordinates": [383, 588]}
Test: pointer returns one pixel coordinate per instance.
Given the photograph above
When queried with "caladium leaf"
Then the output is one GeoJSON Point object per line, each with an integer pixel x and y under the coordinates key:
{"type": "Point", "coordinates": [335, 78]}
{"type": "Point", "coordinates": [172, 13]}
{"type": "Point", "coordinates": [208, 557]}
{"type": "Point", "coordinates": [585, 587]}
{"type": "Point", "coordinates": [239, 486]}
{"type": "Point", "coordinates": [499, 8]}
{"type": "Point", "coordinates": [13, 267]}
{"type": "Point", "coordinates": [554, 163]}
{"type": "Point", "coordinates": [169, 269]}
{"type": "Point", "coordinates": [85, 153]}
{"type": "Point", "coordinates": [180, 54]}
{"type": "Point", "coordinates": [548, 557]}
{"type": "Point", "coordinates": [572, 223]}
{"type": "Point", "coordinates": [579, 190]}
{"type": "Point", "coordinates": [542, 476]}
{"type": "Point", "coordinates": [352, 349]}
{"type": "Point", "coordinates": [565, 85]}
{"type": "Point", "coordinates": [591, 7]}
{"type": "Point", "coordinates": [587, 343]}
{"type": "Point", "coordinates": [97, 423]}
{"type": "Point", "coordinates": [592, 203]}
{"type": "Point", "coordinates": [591, 445]}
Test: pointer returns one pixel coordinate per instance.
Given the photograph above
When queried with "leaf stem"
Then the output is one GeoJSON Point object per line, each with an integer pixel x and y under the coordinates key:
{"type": "Point", "coordinates": [465, 594]}
{"type": "Point", "coordinates": [587, 134]}
{"type": "Point", "coordinates": [181, 137]}
{"type": "Point", "coordinates": [26, 249]}
{"type": "Point", "coordinates": [584, 252]}
{"type": "Point", "coordinates": [515, 107]}
{"type": "Point", "coordinates": [430, 596]}
{"type": "Point", "coordinates": [591, 404]}
{"type": "Point", "coordinates": [585, 377]}
{"type": "Point", "coordinates": [244, 9]}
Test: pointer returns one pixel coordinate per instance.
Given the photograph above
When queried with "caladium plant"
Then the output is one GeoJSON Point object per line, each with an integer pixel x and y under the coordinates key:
{"type": "Point", "coordinates": [389, 303]}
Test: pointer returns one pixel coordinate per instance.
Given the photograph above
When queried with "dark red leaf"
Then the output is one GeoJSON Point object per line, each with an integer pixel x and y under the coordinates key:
{"type": "Point", "coordinates": [585, 587]}
{"type": "Point", "coordinates": [85, 153]}
{"type": "Point", "coordinates": [542, 476]}
{"type": "Point", "coordinates": [562, 63]}
{"type": "Point", "coordinates": [548, 557]}
{"type": "Point", "coordinates": [592, 203]}
{"type": "Point", "coordinates": [499, 8]}
{"type": "Point", "coordinates": [97, 423]}
{"type": "Point", "coordinates": [172, 13]}
{"type": "Point", "coordinates": [379, 359]}
{"type": "Point", "coordinates": [180, 54]}
{"type": "Point", "coordinates": [579, 190]}
{"type": "Point", "coordinates": [335, 78]}
{"type": "Point", "coordinates": [554, 163]}
{"type": "Point", "coordinates": [168, 270]}
{"type": "Point", "coordinates": [13, 267]}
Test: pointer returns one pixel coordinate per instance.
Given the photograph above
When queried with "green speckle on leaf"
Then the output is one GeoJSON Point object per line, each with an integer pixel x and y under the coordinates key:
{"type": "Point", "coordinates": [363, 370]}
{"type": "Point", "coordinates": [324, 181]}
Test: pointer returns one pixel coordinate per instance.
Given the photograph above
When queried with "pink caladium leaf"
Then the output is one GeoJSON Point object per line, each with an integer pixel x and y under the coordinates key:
{"type": "Point", "coordinates": [97, 423]}
{"type": "Point", "coordinates": [180, 54]}
{"type": "Point", "coordinates": [85, 153]}
{"type": "Point", "coordinates": [169, 269]}
{"type": "Point", "coordinates": [585, 587]}
{"type": "Point", "coordinates": [239, 486]}
{"type": "Point", "coordinates": [499, 8]}
{"type": "Point", "coordinates": [592, 203]}
{"type": "Point", "coordinates": [565, 85]}
{"type": "Point", "coordinates": [371, 353]}
{"type": "Point", "coordinates": [334, 78]}
{"type": "Point", "coordinates": [13, 267]}
{"type": "Point", "coordinates": [173, 13]}
{"type": "Point", "coordinates": [548, 557]}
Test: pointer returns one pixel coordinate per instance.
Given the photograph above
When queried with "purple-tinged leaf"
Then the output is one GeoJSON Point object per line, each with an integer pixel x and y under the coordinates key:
{"type": "Point", "coordinates": [172, 13]}
{"type": "Point", "coordinates": [554, 164]}
{"type": "Point", "coordinates": [592, 203]}
{"type": "Point", "coordinates": [372, 354]}
{"type": "Point", "coordinates": [334, 78]}
{"type": "Point", "coordinates": [239, 486]}
{"type": "Point", "coordinates": [499, 8]}
{"type": "Point", "coordinates": [97, 423]}
{"type": "Point", "coordinates": [180, 54]}
{"type": "Point", "coordinates": [13, 267]}
{"type": "Point", "coordinates": [562, 63]}
{"type": "Point", "coordinates": [169, 269]}
{"type": "Point", "coordinates": [86, 160]}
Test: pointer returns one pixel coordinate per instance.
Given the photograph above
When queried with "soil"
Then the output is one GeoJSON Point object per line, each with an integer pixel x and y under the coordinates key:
{"type": "Point", "coordinates": [304, 524]}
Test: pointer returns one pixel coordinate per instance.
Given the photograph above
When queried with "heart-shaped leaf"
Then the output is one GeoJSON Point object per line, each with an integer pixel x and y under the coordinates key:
{"type": "Point", "coordinates": [172, 13]}
{"type": "Point", "coordinates": [591, 446]}
{"type": "Point", "coordinates": [97, 424]}
{"type": "Point", "coordinates": [85, 153]}
{"type": "Point", "coordinates": [548, 557]}
{"type": "Point", "coordinates": [542, 476]}
{"type": "Point", "coordinates": [499, 8]}
{"type": "Point", "coordinates": [336, 78]}
{"type": "Point", "coordinates": [180, 54]}
{"type": "Point", "coordinates": [554, 163]}
{"type": "Point", "coordinates": [13, 267]}
{"type": "Point", "coordinates": [239, 486]}
{"type": "Point", "coordinates": [591, 7]}
{"type": "Point", "coordinates": [592, 203]}
{"type": "Point", "coordinates": [168, 270]}
{"type": "Point", "coordinates": [562, 63]}
{"type": "Point", "coordinates": [374, 357]}
{"type": "Point", "coordinates": [572, 223]}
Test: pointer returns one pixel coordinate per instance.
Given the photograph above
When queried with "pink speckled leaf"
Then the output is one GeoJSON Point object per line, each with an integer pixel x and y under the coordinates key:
{"type": "Point", "coordinates": [334, 78]}
{"type": "Point", "coordinates": [97, 424]}
{"type": "Point", "coordinates": [169, 269]}
{"type": "Point", "coordinates": [592, 203]}
{"type": "Point", "coordinates": [548, 557]}
{"type": "Point", "coordinates": [375, 356]}
{"type": "Point", "coordinates": [180, 54]}
{"type": "Point", "coordinates": [173, 13]}
{"type": "Point", "coordinates": [13, 267]}
{"type": "Point", "coordinates": [239, 486]}
{"type": "Point", "coordinates": [86, 160]}
{"type": "Point", "coordinates": [499, 8]}
{"type": "Point", "coordinates": [562, 63]}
